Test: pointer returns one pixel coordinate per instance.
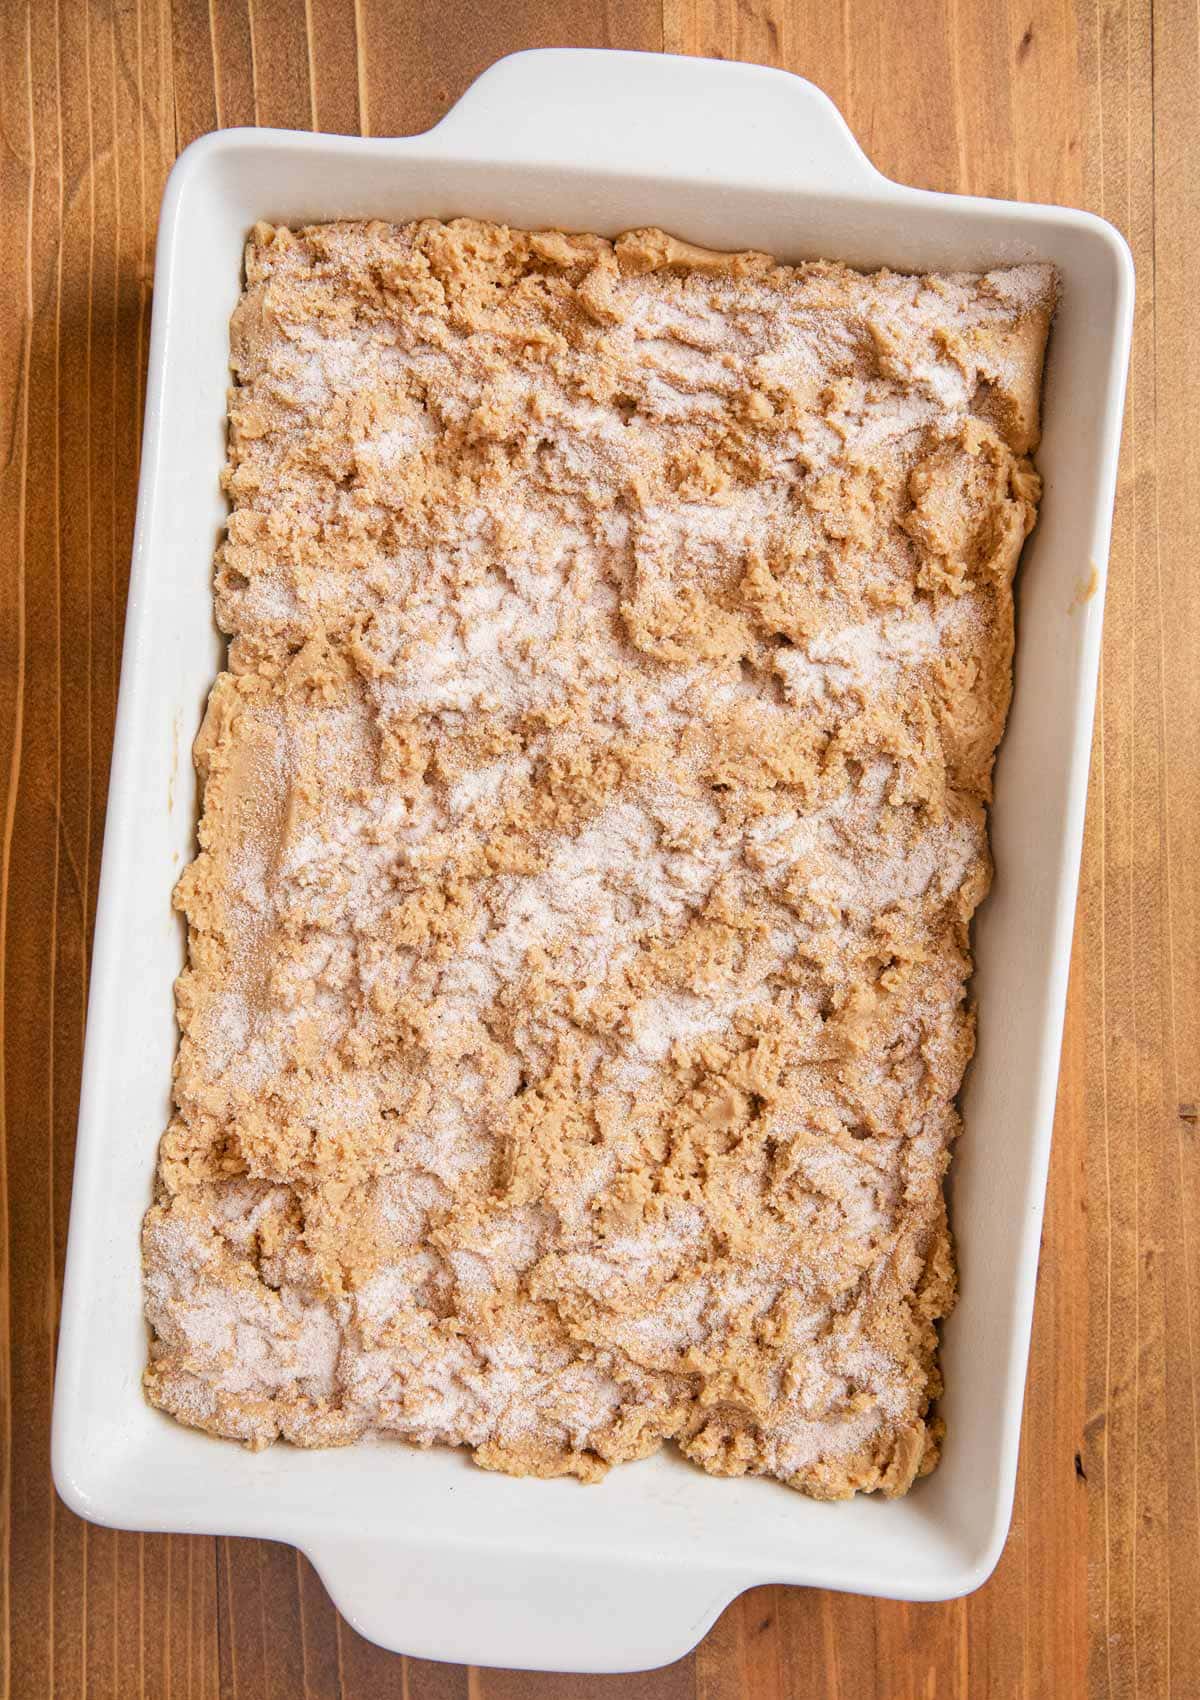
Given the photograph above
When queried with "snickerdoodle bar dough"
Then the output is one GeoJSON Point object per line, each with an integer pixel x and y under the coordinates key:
{"type": "Point", "coordinates": [594, 813]}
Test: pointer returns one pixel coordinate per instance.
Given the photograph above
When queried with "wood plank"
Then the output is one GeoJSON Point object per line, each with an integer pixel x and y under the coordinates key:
{"type": "Point", "coordinates": [1122, 902]}
{"type": "Point", "coordinates": [671, 1682]}
{"type": "Point", "coordinates": [232, 59]}
{"type": "Point", "coordinates": [1176, 353]}
{"type": "Point", "coordinates": [417, 67]}
{"type": "Point", "coordinates": [332, 32]}
{"type": "Point", "coordinates": [39, 1541]}
{"type": "Point", "coordinates": [83, 1558]}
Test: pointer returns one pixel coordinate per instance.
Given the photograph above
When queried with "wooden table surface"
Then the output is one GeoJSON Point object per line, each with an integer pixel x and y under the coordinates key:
{"type": "Point", "coordinates": [1091, 103]}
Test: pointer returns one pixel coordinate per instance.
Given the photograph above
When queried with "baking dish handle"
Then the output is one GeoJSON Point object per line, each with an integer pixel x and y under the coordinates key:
{"type": "Point", "coordinates": [528, 1611]}
{"type": "Point", "coordinates": [679, 118]}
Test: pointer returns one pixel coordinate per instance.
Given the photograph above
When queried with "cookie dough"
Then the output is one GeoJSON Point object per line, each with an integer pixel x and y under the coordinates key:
{"type": "Point", "coordinates": [594, 813]}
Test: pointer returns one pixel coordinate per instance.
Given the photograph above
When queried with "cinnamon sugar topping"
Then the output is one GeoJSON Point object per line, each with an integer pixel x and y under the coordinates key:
{"type": "Point", "coordinates": [594, 813]}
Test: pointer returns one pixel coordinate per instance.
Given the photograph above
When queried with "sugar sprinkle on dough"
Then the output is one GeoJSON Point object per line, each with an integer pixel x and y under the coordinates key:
{"type": "Point", "coordinates": [594, 813]}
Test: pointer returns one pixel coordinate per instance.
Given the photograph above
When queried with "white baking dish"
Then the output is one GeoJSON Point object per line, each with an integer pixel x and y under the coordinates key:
{"type": "Point", "coordinates": [421, 1551]}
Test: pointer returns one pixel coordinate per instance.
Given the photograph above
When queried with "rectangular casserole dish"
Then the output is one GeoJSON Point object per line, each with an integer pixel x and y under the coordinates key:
{"type": "Point", "coordinates": [421, 1551]}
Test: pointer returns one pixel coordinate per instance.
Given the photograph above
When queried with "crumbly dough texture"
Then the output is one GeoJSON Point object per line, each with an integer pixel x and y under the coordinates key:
{"type": "Point", "coordinates": [594, 813]}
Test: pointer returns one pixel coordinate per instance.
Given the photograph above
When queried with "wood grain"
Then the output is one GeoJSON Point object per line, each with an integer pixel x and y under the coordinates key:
{"type": "Point", "coordinates": [1087, 102]}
